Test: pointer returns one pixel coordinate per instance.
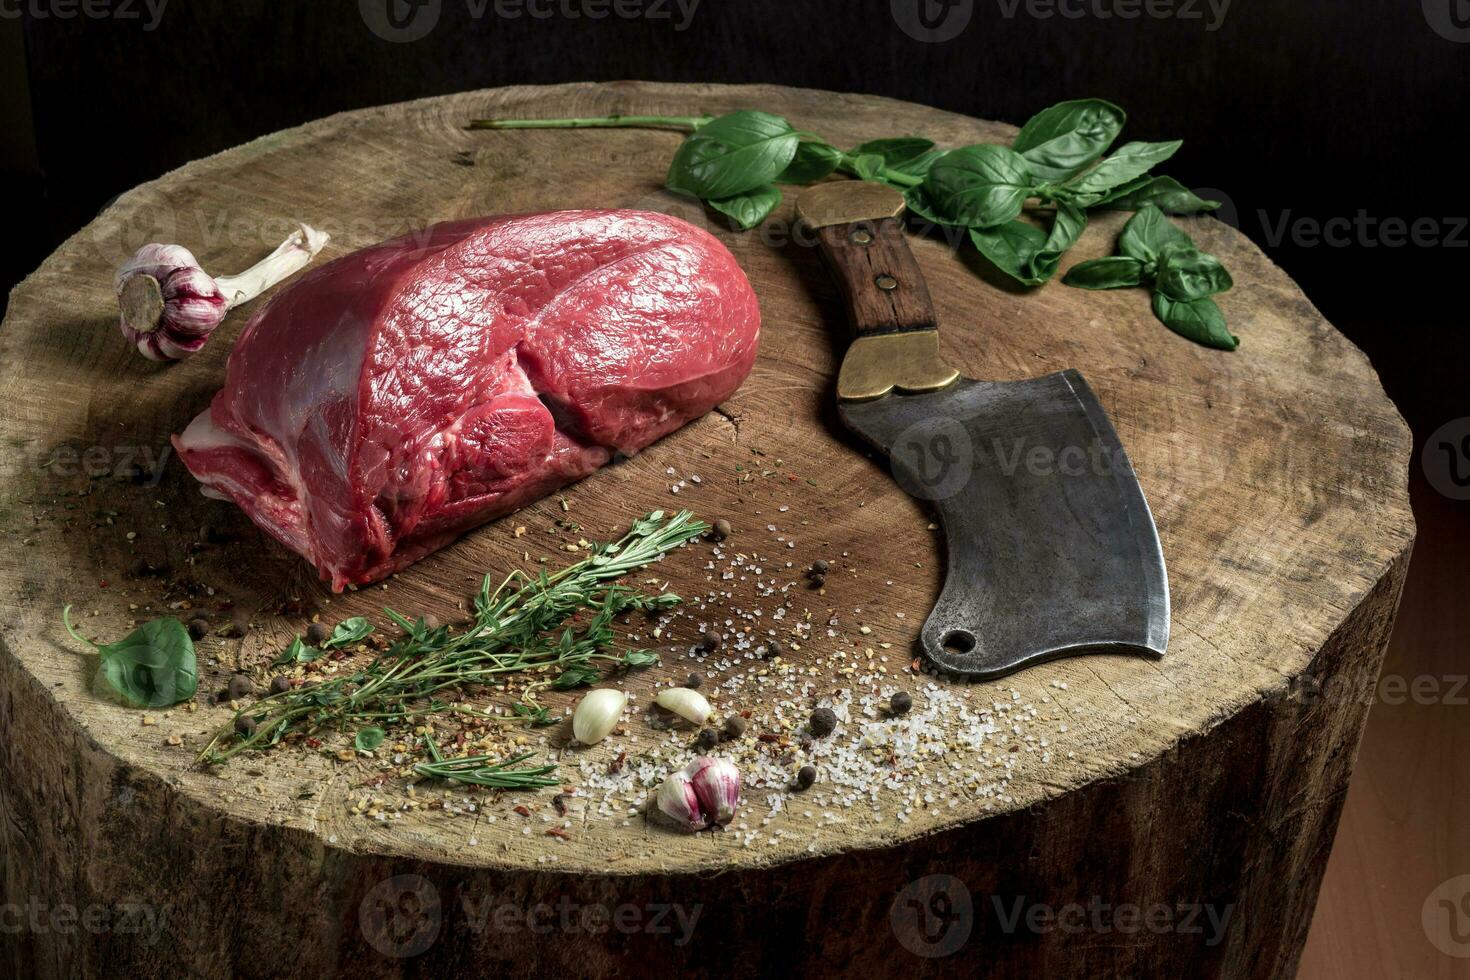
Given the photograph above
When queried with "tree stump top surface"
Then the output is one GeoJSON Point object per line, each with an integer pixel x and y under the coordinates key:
{"type": "Point", "coordinates": [1276, 474]}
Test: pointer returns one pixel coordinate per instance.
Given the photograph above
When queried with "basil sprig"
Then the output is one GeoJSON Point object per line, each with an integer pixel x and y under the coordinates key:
{"type": "Point", "coordinates": [1022, 206]}
{"type": "Point", "coordinates": [1155, 253]}
{"type": "Point", "coordinates": [151, 667]}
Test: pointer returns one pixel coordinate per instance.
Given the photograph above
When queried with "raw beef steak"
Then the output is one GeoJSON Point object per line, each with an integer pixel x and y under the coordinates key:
{"type": "Point", "coordinates": [386, 402]}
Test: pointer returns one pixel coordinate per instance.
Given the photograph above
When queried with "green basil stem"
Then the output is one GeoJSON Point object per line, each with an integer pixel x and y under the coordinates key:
{"type": "Point", "coordinates": [887, 174]}
{"type": "Point", "coordinates": [690, 123]}
{"type": "Point", "coordinates": [66, 621]}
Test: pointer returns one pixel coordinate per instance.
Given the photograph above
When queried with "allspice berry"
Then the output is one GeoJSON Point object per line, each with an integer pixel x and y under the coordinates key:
{"type": "Point", "coordinates": [280, 684]}
{"type": "Point", "coordinates": [822, 723]}
{"type": "Point", "coordinates": [245, 725]}
{"type": "Point", "coordinates": [240, 686]}
{"type": "Point", "coordinates": [734, 727]}
{"type": "Point", "coordinates": [695, 681]}
{"type": "Point", "coordinates": [721, 530]}
{"type": "Point", "coordinates": [317, 634]}
{"type": "Point", "coordinates": [711, 642]}
{"type": "Point", "coordinates": [707, 740]}
{"type": "Point", "coordinates": [901, 702]}
{"type": "Point", "coordinates": [198, 628]}
{"type": "Point", "coordinates": [805, 776]}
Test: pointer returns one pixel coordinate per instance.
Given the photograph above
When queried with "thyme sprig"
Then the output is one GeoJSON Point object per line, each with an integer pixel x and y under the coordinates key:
{"type": "Point", "coordinates": [519, 626]}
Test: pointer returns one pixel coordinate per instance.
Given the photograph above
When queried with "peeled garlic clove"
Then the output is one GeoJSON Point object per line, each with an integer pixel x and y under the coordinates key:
{"type": "Point", "coordinates": [598, 714]}
{"type": "Point", "coordinates": [685, 702]}
{"type": "Point", "coordinates": [676, 799]}
{"type": "Point", "coordinates": [716, 785]}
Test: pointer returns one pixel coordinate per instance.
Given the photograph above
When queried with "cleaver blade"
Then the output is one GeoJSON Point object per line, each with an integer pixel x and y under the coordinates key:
{"type": "Point", "coordinates": [1052, 549]}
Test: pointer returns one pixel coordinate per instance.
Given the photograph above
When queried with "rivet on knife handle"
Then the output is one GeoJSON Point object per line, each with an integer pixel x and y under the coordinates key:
{"type": "Point", "coordinates": [897, 342]}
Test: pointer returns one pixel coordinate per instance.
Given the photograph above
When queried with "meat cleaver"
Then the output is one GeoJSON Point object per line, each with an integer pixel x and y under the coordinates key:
{"type": "Point", "coordinates": [1052, 549]}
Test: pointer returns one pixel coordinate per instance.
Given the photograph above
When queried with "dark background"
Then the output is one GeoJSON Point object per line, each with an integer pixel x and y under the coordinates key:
{"type": "Point", "coordinates": [1293, 109]}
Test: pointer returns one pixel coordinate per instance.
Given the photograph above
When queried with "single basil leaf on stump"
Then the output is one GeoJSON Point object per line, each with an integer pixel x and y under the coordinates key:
{"type": "Point", "coordinates": [1113, 272]}
{"type": "Point", "coordinates": [813, 161]}
{"type": "Point", "coordinates": [1199, 320]}
{"type": "Point", "coordinates": [1164, 193]}
{"type": "Point", "coordinates": [1059, 141]}
{"type": "Point", "coordinates": [746, 211]}
{"type": "Point", "coordinates": [369, 739]}
{"type": "Point", "coordinates": [1068, 223]}
{"type": "Point", "coordinates": [978, 186]}
{"type": "Point", "coordinates": [734, 154]}
{"type": "Point", "coordinates": [297, 653]}
{"type": "Point", "coordinates": [152, 667]}
{"type": "Point", "coordinates": [1148, 233]}
{"type": "Point", "coordinates": [1132, 160]}
{"type": "Point", "coordinates": [1186, 274]}
{"type": "Point", "coordinates": [348, 632]}
{"type": "Point", "coordinates": [1011, 247]}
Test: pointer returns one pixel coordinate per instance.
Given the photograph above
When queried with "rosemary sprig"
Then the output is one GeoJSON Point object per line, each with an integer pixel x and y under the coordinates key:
{"type": "Point", "coordinates": [475, 769]}
{"type": "Point", "coordinates": [519, 626]}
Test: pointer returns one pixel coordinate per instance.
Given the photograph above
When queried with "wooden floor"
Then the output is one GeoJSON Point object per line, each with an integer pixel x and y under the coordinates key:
{"type": "Point", "coordinates": [1406, 825]}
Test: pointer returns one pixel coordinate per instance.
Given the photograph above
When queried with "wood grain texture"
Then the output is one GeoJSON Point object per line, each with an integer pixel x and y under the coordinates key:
{"type": "Point", "coordinates": [1276, 475]}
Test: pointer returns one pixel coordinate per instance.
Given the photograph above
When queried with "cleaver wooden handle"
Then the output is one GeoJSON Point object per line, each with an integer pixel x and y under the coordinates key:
{"type": "Point", "coordinates": [896, 348]}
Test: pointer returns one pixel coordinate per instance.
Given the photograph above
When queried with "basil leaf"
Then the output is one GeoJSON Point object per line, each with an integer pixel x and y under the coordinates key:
{"type": "Point", "coordinates": [151, 667]}
{"type": "Point", "coordinates": [869, 166]}
{"type": "Point", "coordinates": [1024, 252]}
{"type": "Point", "coordinates": [748, 210]}
{"type": "Point", "coordinates": [918, 205]}
{"type": "Point", "coordinates": [1130, 161]}
{"type": "Point", "coordinates": [1059, 141]}
{"type": "Point", "coordinates": [912, 155]}
{"type": "Point", "coordinates": [1164, 193]}
{"type": "Point", "coordinates": [297, 653]}
{"type": "Point", "coordinates": [1186, 273]}
{"type": "Point", "coordinates": [348, 632]}
{"type": "Point", "coordinates": [1011, 247]}
{"type": "Point", "coordinates": [978, 186]}
{"type": "Point", "coordinates": [1148, 233]}
{"type": "Point", "coordinates": [813, 161]}
{"type": "Point", "coordinates": [1199, 320]}
{"type": "Point", "coordinates": [369, 739]}
{"type": "Point", "coordinates": [733, 154]}
{"type": "Point", "coordinates": [1113, 272]}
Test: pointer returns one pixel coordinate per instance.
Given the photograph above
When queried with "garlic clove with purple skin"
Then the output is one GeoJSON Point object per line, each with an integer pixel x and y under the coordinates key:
{"type": "Point", "coordinates": [677, 800]}
{"type": "Point", "coordinates": [716, 784]}
{"type": "Point", "coordinates": [169, 305]}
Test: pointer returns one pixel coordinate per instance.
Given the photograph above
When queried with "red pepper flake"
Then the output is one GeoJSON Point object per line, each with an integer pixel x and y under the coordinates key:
{"type": "Point", "coordinates": [314, 743]}
{"type": "Point", "coordinates": [558, 832]}
{"type": "Point", "coordinates": [617, 764]}
{"type": "Point", "coordinates": [768, 737]}
{"type": "Point", "coordinates": [522, 810]}
{"type": "Point", "coordinates": [102, 584]}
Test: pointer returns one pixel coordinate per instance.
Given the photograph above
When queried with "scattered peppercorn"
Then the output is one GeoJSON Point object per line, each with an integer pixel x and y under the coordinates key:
{"type": "Point", "coordinates": [695, 681]}
{"type": "Point", "coordinates": [711, 642]}
{"type": "Point", "coordinates": [822, 723]}
{"type": "Point", "coordinates": [722, 530]}
{"type": "Point", "coordinates": [280, 684]}
{"type": "Point", "coordinates": [901, 702]}
{"type": "Point", "coordinates": [818, 580]}
{"type": "Point", "coordinates": [317, 634]}
{"type": "Point", "coordinates": [245, 725]}
{"type": "Point", "coordinates": [240, 686]}
{"type": "Point", "coordinates": [773, 649]}
{"type": "Point", "coordinates": [734, 727]}
{"type": "Point", "coordinates": [819, 567]}
{"type": "Point", "coordinates": [198, 629]}
{"type": "Point", "coordinates": [707, 739]}
{"type": "Point", "coordinates": [805, 776]}
{"type": "Point", "coordinates": [140, 568]}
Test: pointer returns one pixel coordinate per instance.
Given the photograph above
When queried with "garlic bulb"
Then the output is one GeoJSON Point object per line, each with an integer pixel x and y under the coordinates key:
{"type": "Point", "coordinates": [677, 800]}
{"type": "Point", "coordinates": [716, 785]}
{"type": "Point", "coordinates": [170, 305]}
{"type": "Point", "coordinates": [685, 702]}
{"type": "Point", "coordinates": [597, 715]}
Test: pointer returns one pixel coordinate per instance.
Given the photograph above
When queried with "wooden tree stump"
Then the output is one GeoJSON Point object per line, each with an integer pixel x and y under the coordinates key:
{"type": "Point", "coordinates": [1201, 791]}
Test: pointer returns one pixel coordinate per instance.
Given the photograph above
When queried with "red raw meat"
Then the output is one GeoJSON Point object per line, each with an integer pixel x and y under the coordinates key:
{"type": "Point", "coordinates": [387, 402]}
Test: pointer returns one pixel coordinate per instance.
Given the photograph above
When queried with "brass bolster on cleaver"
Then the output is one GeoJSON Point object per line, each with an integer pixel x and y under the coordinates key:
{"type": "Point", "coordinates": [860, 230]}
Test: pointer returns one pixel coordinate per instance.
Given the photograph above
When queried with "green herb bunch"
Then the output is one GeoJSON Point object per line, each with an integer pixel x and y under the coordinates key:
{"type": "Point", "coordinates": [1155, 253]}
{"type": "Point", "coordinates": [520, 626]}
{"type": "Point", "coordinates": [1055, 171]}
